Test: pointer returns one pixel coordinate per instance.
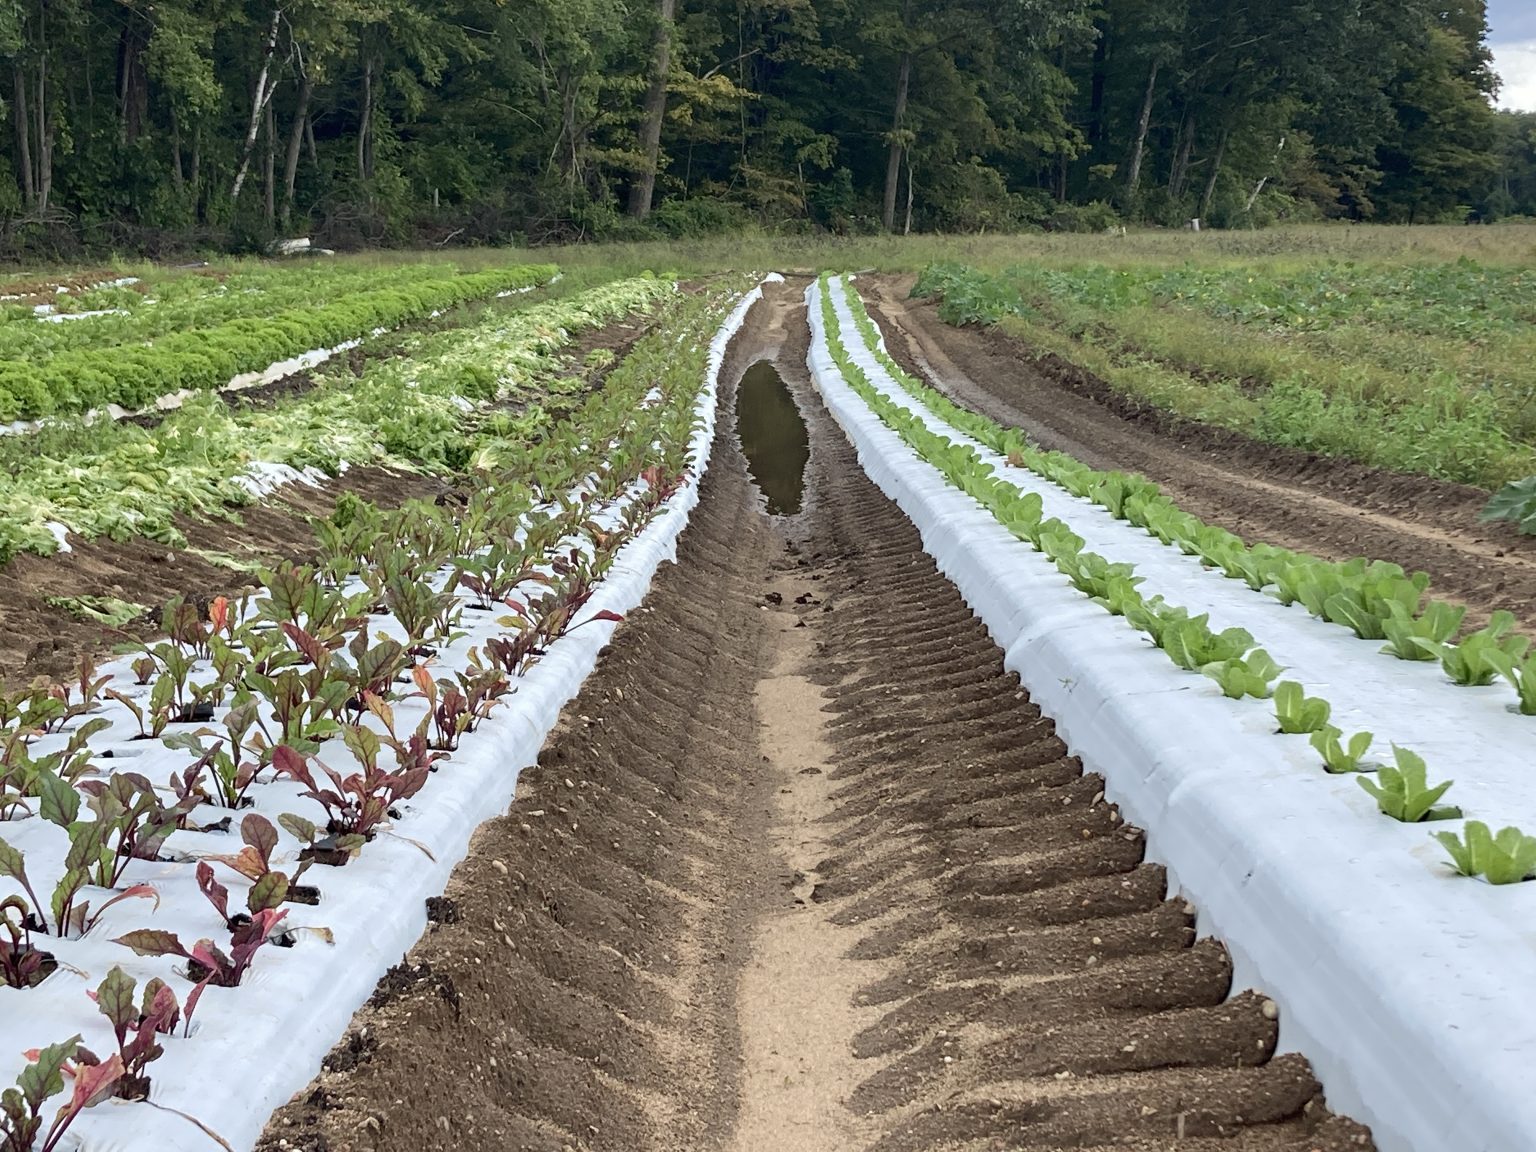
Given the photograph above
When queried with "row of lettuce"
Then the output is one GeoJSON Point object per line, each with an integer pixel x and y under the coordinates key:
{"type": "Point", "coordinates": [1356, 595]}
{"type": "Point", "coordinates": [135, 373]}
{"type": "Point", "coordinates": [329, 656]}
{"type": "Point", "coordinates": [124, 480]}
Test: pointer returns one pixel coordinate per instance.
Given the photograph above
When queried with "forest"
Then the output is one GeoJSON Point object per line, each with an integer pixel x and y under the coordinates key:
{"type": "Point", "coordinates": [159, 125]}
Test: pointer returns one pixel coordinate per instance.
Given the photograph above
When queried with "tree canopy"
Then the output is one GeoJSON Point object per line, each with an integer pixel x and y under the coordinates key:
{"type": "Point", "coordinates": [147, 122]}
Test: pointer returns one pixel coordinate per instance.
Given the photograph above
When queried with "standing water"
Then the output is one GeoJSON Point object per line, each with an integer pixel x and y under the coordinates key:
{"type": "Point", "coordinates": [773, 437]}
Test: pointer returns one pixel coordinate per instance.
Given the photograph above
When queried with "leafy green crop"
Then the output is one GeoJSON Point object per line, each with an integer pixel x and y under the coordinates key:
{"type": "Point", "coordinates": [1297, 712]}
{"type": "Point", "coordinates": [1246, 676]}
{"type": "Point", "coordinates": [1482, 655]}
{"type": "Point", "coordinates": [1515, 502]}
{"type": "Point", "coordinates": [1404, 793]}
{"type": "Point", "coordinates": [1341, 757]}
{"type": "Point", "coordinates": [1437, 625]}
{"type": "Point", "coordinates": [1506, 858]}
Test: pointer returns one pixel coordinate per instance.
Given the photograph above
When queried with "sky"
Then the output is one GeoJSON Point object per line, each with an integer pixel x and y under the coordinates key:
{"type": "Point", "coordinates": [1512, 37]}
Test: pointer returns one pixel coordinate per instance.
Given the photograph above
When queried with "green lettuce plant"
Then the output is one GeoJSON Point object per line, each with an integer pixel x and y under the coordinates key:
{"type": "Point", "coordinates": [1339, 756]}
{"type": "Point", "coordinates": [1506, 858]}
{"type": "Point", "coordinates": [1404, 792]}
{"type": "Point", "coordinates": [1297, 712]}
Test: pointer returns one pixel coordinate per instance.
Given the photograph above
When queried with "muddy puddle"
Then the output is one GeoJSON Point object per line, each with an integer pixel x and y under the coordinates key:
{"type": "Point", "coordinates": [773, 437]}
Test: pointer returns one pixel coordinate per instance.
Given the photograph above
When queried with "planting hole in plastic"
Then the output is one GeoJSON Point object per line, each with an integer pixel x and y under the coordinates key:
{"type": "Point", "coordinates": [773, 438]}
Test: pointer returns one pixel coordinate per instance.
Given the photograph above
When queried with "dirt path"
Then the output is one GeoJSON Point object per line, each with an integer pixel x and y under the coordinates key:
{"type": "Point", "coordinates": [1327, 507]}
{"type": "Point", "coordinates": [804, 870]}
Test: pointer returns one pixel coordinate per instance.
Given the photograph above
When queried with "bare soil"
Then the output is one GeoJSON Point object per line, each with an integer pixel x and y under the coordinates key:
{"type": "Point", "coordinates": [804, 869]}
{"type": "Point", "coordinates": [1332, 508]}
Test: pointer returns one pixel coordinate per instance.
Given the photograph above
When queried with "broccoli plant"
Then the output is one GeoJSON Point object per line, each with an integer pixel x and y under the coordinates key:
{"type": "Point", "coordinates": [1297, 712]}
{"type": "Point", "coordinates": [1506, 858]}
{"type": "Point", "coordinates": [1338, 756]}
{"type": "Point", "coordinates": [1404, 792]}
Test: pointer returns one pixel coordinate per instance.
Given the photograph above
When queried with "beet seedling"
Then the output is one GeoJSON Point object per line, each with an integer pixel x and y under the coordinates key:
{"type": "Point", "coordinates": [1506, 858]}
{"type": "Point", "coordinates": [137, 1029]}
{"type": "Point", "coordinates": [1404, 793]}
{"type": "Point", "coordinates": [22, 963]}
{"type": "Point", "coordinates": [254, 862]}
{"type": "Point", "coordinates": [1297, 712]}
{"type": "Point", "coordinates": [21, 1107]}
{"type": "Point", "coordinates": [71, 916]}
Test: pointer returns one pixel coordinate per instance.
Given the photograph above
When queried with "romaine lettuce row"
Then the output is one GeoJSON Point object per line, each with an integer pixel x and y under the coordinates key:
{"type": "Point", "coordinates": [1374, 599]}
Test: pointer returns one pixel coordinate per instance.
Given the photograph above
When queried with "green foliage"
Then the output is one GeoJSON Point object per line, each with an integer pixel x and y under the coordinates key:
{"type": "Point", "coordinates": [1506, 858]}
{"type": "Point", "coordinates": [1339, 756]}
{"type": "Point", "coordinates": [1251, 675]}
{"type": "Point", "coordinates": [1404, 792]}
{"type": "Point", "coordinates": [1483, 655]}
{"type": "Point", "coordinates": [1297, 712]}
{"type": "Point", "coordinates": [1515, 502]}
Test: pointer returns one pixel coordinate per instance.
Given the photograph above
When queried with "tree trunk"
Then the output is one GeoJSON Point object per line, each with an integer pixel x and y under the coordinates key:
{"type": "Point", "coordinates": [1181, 161]}
{"type": "Point", "coordinates": [365, 125]}
{"type": "Point", "coordinates": [178, 175]}
{"type": "Point", "coordinates": [1138, 149]}
{"type": "Point", "coordinates": [1210, 181]}
{"type": "Point", "coordinates": [1096, 88]}
{"type": "Point", "coordinates": [295, 141]}
{"type": "Point", "coordinates": [194, 173]}
{"type": "Point", "coordinates": [45, 127]}
{"type": "Point", "coordinates": [258, 105]}
{"type": "Point", "coordinates": [893, 156]}
{"type": "Point", "coordinates": [906, 229]}
{"type": "Point", "coordinates": [269, 174]}
{"type": "Point", "coordinates": [309, 142]}
{"type": "Point", "coordinates": [643, 190]}
{"type": "Point", "coordinates": [23, 139]}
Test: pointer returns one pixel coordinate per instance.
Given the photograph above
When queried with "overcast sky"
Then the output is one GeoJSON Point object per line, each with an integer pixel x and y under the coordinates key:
{"type": "Point", "coordinates": [1512, 36]}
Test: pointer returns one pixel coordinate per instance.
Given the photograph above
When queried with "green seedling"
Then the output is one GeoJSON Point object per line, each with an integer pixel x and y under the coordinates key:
{"type": "Point", "coordinates": [1246, 676]}
{"type": "Point", "coordinates": [1506, 858]}
{"type": "Point", "coordinates": [1297, 712]}
{"type": "Point", "coordinates": [1404, 792]}
{"type": "Point", "coordinates": [1339, 756]}
{"type": "Point", "coordinates": [1482, 655]}
{"type": "Point", "coordinates": [1437, 625]}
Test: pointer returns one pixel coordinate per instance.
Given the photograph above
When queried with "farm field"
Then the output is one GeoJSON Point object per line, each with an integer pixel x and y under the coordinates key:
{"type": "Point", "coordinates": [884, 697]}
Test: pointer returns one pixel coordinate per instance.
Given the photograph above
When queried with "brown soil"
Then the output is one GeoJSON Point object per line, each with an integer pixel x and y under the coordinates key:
{"type": "Point", "coordinates": [804, 869]}
{"type": "Point", "coordinates": [1331, 508]}
{"type": "Point", "coordinates": [38, 639]}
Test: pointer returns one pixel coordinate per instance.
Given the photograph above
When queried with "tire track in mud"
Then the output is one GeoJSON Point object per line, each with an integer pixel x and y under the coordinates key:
{"type": "Point", "coordinates": [804, 869]}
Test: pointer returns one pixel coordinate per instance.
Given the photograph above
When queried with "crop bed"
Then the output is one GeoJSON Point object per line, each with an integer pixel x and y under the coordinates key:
{"type": "Point", "coordinates": [1293, 865]}
{"type": "Point", "coordinates": [349, 724]}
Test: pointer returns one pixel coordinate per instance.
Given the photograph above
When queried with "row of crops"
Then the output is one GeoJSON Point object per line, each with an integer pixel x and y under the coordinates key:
{"type": "Point", "coordinates": [1420, 368]}
{"type": "Point", "coordinates": [212, 848]}
{"type": "Point", "coordinates": [209, 457]}
{"type": "Point", "coordinates": [201, 340]}
{"type": "Point", "coordinates": [1234, 697]}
